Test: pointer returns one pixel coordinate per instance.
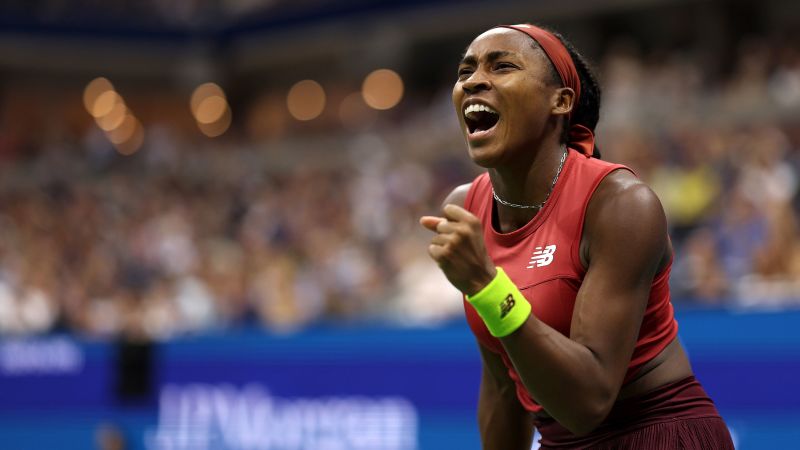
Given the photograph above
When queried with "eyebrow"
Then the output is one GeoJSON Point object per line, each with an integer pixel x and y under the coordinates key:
{"type": "Point", "coordinates": [492, 56]}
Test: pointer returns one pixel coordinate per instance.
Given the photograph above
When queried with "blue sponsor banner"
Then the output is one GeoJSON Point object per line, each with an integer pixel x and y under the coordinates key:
{"type": "Point", "coordinates": [357, 388]}
{"type": "Point", "coordinates": [52, 373]}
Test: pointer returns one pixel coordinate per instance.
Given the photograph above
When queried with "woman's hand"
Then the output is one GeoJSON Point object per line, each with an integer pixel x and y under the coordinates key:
{"type": "Point", "coordinates": [458, 249]}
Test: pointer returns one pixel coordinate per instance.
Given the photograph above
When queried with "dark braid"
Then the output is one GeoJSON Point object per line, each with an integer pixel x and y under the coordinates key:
{"type": "Point", "coordinates": [587, 111]}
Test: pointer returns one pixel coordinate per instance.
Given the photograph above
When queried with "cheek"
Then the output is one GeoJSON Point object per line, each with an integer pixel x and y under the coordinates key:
{"type": "Point", "coordinates": [531, 108]}
{"type": "Point", "coordinates": [458, 94]}
{"type": "Point", "coordinates": [458, 97]}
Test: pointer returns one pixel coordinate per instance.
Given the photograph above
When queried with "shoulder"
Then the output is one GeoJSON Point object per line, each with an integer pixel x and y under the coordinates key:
{"type": "Point", "coordinates": [458, 196]}
{"type": "Point", "coordinates": [623, 192]}
{"type": "Point", "coordinates": [626, 214]}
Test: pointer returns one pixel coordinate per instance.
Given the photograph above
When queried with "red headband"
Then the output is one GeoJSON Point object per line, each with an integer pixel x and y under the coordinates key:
{"type": "Point", "coordinates": [581, 138]}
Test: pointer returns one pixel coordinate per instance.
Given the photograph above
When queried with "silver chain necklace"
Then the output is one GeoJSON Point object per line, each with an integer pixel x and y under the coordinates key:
{"type": "Point", "coordinates": [552, 186]}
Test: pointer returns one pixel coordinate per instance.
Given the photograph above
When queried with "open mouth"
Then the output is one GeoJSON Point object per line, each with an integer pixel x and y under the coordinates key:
{"type": "Point", "coordinates": [480, 118]}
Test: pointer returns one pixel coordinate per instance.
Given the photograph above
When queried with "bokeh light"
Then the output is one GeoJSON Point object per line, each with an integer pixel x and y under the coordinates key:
{"type": "Point", "coordinates": [382, 89]}
{"type": "Point", "coordinates": [204, 91]}
{"type": "Point", "coordinates": [113, 118]}
{"type": "Point", "coordinates": [124, 131]}
{"type": "Point", "coordinates": [93, 90]}
{"type": "Point", "coordinates": [210, 109]}
{"type": "Point", "coordinates": [104, 103]}
{"type": "Point", "coordinates": [134, 142]}
{"type": "Point", "coordinates": [306, 100]}
{"type": "Point", "coordinates": [218, 127]}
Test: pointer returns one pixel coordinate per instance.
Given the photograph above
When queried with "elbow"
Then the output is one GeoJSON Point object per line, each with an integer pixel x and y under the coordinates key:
{"type": "Point", "coordinates": [588, 416]}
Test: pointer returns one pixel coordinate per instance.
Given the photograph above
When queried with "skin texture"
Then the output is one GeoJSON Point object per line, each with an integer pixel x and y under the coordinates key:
{"type": "Point", "coordinates": [503, 421]}
{"type": "Point", "coordinates": [576, 378]}
{"type": "Point", "coordinates": [532, 108]}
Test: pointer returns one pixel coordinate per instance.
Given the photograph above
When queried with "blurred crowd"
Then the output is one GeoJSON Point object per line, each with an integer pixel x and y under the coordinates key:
{"type": "Point", "coordinates": [194, 234]}
{"type": "Point", "coordinates": [722, 153]}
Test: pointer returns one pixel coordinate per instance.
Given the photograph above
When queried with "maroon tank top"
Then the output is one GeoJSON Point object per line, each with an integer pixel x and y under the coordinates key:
{"type": "Point", "coordinates": [543, 260]}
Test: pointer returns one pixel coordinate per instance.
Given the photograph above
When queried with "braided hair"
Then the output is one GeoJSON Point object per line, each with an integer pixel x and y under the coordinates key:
{"type": "Point", "coordinates": [587, 111]}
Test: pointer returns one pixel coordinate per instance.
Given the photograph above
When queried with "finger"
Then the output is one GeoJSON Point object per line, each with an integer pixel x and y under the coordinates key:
{"type": "Point", "coordinates": [446, 227]}
{"type": "Point", "coordinates": [430, 222]}
{"type": "Point", "coordinates": [441, 239]}
{"type": "Point", "coordinates": [437, 252]}
{"type": "Point", "coordinates": [458, 214]}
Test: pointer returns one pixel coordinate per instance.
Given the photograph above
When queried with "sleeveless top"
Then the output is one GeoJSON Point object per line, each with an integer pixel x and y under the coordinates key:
{"type": "Point", "coordinates": [543, 259]}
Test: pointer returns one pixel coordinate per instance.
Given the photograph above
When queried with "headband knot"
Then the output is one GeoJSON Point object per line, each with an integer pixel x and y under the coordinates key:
{"type": "Point", "coordinates": [580, 137]}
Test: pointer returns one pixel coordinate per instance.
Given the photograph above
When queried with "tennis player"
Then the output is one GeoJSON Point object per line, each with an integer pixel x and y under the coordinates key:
{"type": "Point", "coordinates": [564, 263]}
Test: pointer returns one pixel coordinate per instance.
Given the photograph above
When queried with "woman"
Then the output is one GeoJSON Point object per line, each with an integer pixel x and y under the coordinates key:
{"type": "Point", "coordinates": [564, 262]}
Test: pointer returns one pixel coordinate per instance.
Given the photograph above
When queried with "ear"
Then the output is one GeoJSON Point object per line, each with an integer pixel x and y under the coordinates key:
{"type": "Point", "coordinates": [563, 101]}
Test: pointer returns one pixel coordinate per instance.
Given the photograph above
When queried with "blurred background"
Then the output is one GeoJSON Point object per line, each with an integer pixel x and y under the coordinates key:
{"type": "Point", "coordinates": [208, 213]}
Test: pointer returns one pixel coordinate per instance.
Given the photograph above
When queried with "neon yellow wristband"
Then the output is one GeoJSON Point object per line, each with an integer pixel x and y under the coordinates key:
{"type": "Point", "coordinates": [501, 305]}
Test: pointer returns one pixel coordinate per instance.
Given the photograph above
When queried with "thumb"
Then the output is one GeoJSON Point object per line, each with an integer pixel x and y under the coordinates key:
{"type": "Point", "coordinates": [430, 222]}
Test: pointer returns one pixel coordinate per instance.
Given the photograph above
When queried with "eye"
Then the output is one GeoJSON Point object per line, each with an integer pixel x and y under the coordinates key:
{"type": "Point", "coordinates": [502, 65]}
{"type": "Point", "coordinates": [464, 72]}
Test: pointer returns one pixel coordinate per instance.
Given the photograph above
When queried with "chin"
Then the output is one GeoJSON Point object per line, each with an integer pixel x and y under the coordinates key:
{"type": "Point", "coordinates": [485, 156]}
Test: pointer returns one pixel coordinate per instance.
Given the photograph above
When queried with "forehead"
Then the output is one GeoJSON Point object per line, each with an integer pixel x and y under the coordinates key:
{"type": "Point", "coordinates": [501, 39]}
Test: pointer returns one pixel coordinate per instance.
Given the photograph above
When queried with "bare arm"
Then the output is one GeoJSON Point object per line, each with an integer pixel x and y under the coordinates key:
{"type": "Point", "coordinates": [503, 422]}
{"type": "Point", "coordinates": [458, 196]}
{"type": "Point", "coordinates": [577, 378]}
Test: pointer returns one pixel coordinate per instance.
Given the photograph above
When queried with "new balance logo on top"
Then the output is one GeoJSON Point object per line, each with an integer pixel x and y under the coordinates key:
{"type": "Point", "coordinates": [542, 256]}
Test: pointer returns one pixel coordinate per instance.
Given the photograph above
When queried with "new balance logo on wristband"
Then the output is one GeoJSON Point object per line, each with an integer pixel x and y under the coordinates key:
{"type": "Point", "coordinates": [506, 305]}
{"type": "Point", "coordinates": [542, 256]}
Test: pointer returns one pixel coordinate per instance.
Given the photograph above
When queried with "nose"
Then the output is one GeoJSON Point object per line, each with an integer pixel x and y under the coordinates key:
{"type": "Point", "coordinates": [475, 83]}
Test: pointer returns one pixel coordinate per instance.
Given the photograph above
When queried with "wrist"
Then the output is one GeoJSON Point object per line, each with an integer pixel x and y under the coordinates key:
{"type": "Point", "coordinates": [479, 284]}
{"type": "Point", "coordinates": [501, 305]}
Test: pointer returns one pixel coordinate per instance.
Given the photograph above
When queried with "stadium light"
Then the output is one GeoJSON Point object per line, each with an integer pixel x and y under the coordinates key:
{"type": "Point", "coordinates": [219, 126]}
{"type": "Point", "coordinates": [306, 100]}
{"type": "Point", "coordinates": [210, 109]}
{"type": "Point", "coordinates": [93, 90]}
{"type": "Point", "coordinates": [382, 89]}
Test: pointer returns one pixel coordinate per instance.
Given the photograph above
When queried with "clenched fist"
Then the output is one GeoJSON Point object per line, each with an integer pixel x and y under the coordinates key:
{"type": "Point", "coordinates": [458, 249]}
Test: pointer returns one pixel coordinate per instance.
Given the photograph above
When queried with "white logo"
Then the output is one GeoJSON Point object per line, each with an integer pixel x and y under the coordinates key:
{"type": "Point", "coordinates": [224, 416]}
{"type": "Point", "coordinates": [542, 257]}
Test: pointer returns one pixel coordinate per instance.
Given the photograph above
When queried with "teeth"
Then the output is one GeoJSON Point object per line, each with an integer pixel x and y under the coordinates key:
{"type": "Point", "coordinates": [477, 107]}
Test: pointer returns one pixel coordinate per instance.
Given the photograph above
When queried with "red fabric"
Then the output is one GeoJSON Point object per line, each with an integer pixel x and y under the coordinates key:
{"type": "Point", "coordinates": [679, 415]}
{"type": "Point", "coordinates": [551, 285]}
{"type": "Point", "coordinates": [580, 137]}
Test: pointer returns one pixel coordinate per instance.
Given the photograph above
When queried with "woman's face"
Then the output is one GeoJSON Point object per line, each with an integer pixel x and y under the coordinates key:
{"type": "Point", "coordinates": [505, 96]}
